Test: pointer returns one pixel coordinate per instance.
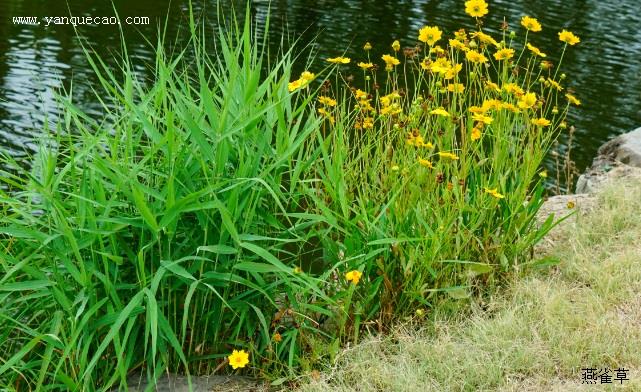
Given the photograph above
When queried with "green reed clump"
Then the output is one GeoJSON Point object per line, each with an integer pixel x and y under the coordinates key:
{"type": "Point", "coordinates": [164, 235]}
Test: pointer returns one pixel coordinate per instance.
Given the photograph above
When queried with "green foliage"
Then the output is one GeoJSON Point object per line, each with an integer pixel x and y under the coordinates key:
{"type": "Point", "coordinates": [163, 235]}
{"type": "Point", "coordinates": [211, 209]}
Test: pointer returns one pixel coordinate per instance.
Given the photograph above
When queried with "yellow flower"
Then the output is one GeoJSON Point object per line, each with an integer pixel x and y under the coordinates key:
{"type": "Point", "coordinates": [457, 88]}
{"type": "Point", "coordinates": [541, 122]}
{"type": "Point", "coordinates": [327, 115]}
{"type": "Point", "coordinates": [494, 192]}
{"type": "Point", "coordinates": [238, 359]}
{"type": "Point", "coordinates": [568, 37]}
{"type": "Point", "coordinates": [456, 44]}
{"type": "Point", "coordinates": [365, 66]}
{"type": "Point", "coordinates": [339, 60]}
{"type": "Point", "coordinates": [440, 66]}
{"type": "Point", "coordinates": [476, 109]}
{"type": "Point", "coordinates": [437, 49]}
{"type": "Point", "coordinates": [491, 104]}
{"type": "Point", "coordinates": [368, 123]}
{"type": "Point", "coordinates": [570, 205]}
{"type": "Point", "coordinates": [425, 162]}
{"type": "Point", "coordinates": [386, 100]}
{"type": "Point", "coordinates": [452, 71]}
{"type": "Point", "coordinates": [448, 155]}
{"type": "Point", "coordinates": [440, 112]}
{"type": "Point", "coordinates": [546, 65]}
{"type": "Point", "coordinates": [391, 110]}
{"type": "Point", "coordinates": [482, 118]}
{"type": "Point", "coordinates": [552, 83]}
{"type": "Point", "coordinates": [573, 100]}
{"type": "Point", "coordinates": [476, 133]}
{"type": "Point", "coordinates": [475, 57]}
{"type": "Point", "coordinates": [277, 337]}
{"type": "Point", "coordinates": [396, 46]}
{"type": "Point", "coordinates": [354, 276]}
{"type": "Point", "coordinates": [527, 101]}
{"type": "Point", "coordinates": [531, 24]}
{"type": "Point", "coordinates": [366, 106]}
{"type": "Point", "coordinates": [460, 35]}
{"type": "Point", "coordinates": [295, 85]}
{"type": "Point", "coordinates": [513, 88]}
{"type": "Point", "coordinates": [485, 38]}
{"type": "Point", "coordinates": [430, 35]}
{"type": "Point", "coordinates": [367, 46]}
{"type": "Point", "coordinates": [492, 86]}
{"type": "Point", "coordinates": [510, 107]}
{"type": "Point", "coordinates": [304, 79]}
{"type": "Point", "coordinates": [535, 50]}
{"type": "Point", "coordinates": [504, 54]}
{"type": "Point", "coordinates": [476, 8]}
{"type": "Point", "coordinates": [543, 174]}
{"type": "Point", "coordinates": [327, 101]}
{"type": "Point", "coordinates": [360, 94]}
{"type": "Point", "coordinates": [390, 61]}
{"type": "Point", "coordinates": [307, 76]}
{"type": "Point", "coordinates": [418, 141]}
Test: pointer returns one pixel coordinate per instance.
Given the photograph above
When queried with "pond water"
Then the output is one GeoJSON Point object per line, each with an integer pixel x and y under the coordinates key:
{"type": "Point", "coordinates": [604, 69]}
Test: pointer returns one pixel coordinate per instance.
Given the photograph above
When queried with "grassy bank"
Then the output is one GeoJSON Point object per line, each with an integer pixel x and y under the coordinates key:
{"type": "Point", "coordinates": [535, 336]}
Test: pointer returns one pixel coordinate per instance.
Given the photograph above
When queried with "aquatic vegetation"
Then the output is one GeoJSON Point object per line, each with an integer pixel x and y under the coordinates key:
{"type": "Point", "coordinates": [228, 208]}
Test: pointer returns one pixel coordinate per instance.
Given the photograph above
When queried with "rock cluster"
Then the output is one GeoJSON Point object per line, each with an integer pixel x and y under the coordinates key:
{"type": "Point", "coordinates": [618, 161]}
{"type": "Point", "coordinates": [175, 383]}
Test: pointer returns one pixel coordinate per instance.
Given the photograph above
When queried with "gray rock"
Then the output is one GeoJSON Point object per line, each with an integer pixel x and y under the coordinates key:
{"type": "Point", "coordinates": [563, 205]}
{"type": "Point", "coordinates": [176, 383]}
{"type": "Point", "coordinates": [595, 179]}
{"type": "Point", "coordinates": [625, 148]}
{"type": "Point", "coordinates": [616, 159]}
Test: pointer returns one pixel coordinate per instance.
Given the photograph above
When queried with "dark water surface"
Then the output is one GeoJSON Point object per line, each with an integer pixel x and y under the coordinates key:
{"type": "Point", "coordinates": [604, 69]}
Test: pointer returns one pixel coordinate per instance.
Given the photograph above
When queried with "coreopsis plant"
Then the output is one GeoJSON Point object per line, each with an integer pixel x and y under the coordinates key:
{"type": "Point", "coordinates": [433, 167]}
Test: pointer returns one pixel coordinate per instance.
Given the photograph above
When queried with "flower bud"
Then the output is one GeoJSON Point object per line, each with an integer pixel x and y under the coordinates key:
{"type": "Point", "coordinates": [563, 76]}
{"type": "Point", "coordinates": [512, 34]}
